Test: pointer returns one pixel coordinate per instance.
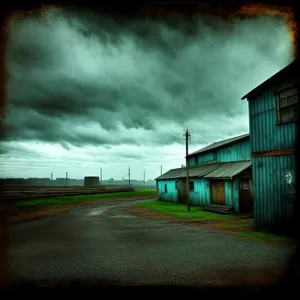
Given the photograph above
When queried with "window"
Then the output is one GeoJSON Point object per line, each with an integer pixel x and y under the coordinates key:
{"type": "Point", "coordinates": [196, 160]}
{"type": "Point", "coordinates": [287, 102]}
{"type": "Point", "coordinates": [191, 186]}
{"type": "Point", "coordinates": [245, 184]}
{"type": "Point", "coordinates": [166, 190]}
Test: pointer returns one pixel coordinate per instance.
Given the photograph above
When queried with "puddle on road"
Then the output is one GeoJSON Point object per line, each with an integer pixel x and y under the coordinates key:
{"type": "Point", "coordinates": [96, 212]}
{"type": "Point", "coordinates": [122, 216]}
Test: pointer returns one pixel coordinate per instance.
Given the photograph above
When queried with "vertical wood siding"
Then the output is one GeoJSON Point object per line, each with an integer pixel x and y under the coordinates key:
{"type": "Point", "coordinates": [273, 197]}
{"type": "Point", "coordinates": [265, 134]}
{"type": "Point", "coordinates": [171, 195]}
{"type": "Point", "coordinates": [234, 152]}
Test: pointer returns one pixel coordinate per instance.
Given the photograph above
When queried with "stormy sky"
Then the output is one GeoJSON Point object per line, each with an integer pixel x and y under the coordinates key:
{"type": "Point", "coordinates": [84, 92]}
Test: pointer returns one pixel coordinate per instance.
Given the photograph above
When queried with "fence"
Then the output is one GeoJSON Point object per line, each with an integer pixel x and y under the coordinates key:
{"type": "Point", "coordinates": [13, 194]}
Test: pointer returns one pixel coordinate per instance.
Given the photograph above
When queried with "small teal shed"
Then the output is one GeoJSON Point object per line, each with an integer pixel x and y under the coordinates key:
{"type": "Point", "coordinates": [220, 174]}
{"type": "Point", "coordinates": [273, 108]}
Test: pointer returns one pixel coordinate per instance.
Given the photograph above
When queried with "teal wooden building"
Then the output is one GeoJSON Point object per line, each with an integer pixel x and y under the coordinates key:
{"type": "Point", "coordinates": [272, 120]}
{"type": "Point", "coordinates": [220, 174]}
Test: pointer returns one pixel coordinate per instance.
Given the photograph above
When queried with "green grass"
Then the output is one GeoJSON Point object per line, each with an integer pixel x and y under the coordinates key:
{"type": "Point", "coordinates": [263, 236]}
{"type": "Point", "coordinates": [79, 198]}
{"type": "Point", "coordinates": [247, 223]}
{"type": "Point", "coordinates": [180, 211]}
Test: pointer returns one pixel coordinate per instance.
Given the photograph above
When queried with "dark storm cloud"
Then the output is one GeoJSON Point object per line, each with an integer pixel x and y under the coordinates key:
{"type": "Point", "coordinates": [67, 69]}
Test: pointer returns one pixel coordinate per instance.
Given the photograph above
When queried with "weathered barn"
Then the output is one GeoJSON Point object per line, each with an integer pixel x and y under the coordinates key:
{"type": "Point", "coordinates": [219, 174]}
{"type": "Point", "coordinates": [273, 114]}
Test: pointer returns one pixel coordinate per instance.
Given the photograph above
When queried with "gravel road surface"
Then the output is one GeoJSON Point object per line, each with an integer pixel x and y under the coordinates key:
{"type": "Point", "coordinates": [101, 243]}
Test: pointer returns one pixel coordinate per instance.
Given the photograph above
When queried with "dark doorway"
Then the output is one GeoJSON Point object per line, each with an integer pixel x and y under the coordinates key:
{"type": "Point", "coordinates": [180, 186]}
{"type": "Point", "coordinates": [245, 196]}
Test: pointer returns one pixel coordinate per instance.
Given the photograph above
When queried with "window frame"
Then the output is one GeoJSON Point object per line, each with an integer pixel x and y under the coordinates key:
{"type": "Point", "coordinates": [244, 180]}
{"type": "Point", "coordinates": [165, 189]}
{"type": "Point", "coordinates": [278, 109]}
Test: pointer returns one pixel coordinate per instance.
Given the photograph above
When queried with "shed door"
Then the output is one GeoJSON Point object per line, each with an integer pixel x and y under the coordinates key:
{"type": "Point", "coordinates": [217, 192]}
{"type": "Point", "coordinates": [180, 185]}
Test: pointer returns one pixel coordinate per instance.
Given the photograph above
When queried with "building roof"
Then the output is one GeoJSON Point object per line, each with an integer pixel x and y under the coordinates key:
{"type": "Point", "coordinates": [214, 170]}
{"type": "Point", "coordinates": [220, 144]}
{"type": "Point", "coordinates": [198, 171]}
{"type": "Point", "coordinates": [284, 73]}
{"type": "Point", "coordinates": [229, 170]}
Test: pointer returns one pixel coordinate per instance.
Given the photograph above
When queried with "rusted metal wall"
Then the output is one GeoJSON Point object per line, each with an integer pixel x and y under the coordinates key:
{"type": "Point", "coordinates": [171, 195]}
{"type": "Point", "coordinates": [273, 196]}
{"type": "Point", "coordinates": [265, 134]}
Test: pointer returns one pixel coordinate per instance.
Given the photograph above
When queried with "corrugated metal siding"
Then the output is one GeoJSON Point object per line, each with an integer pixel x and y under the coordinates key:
{"type": "Point", "coordinates": [205, 157]}
{"type": "Point", "coordinates": [228, 192]}
{"type": "Point", "coordinates": [221, 143]}
{"type": "Point", "coordinates": [171, 195]}
{"type": "Point", "coordinates": [235, 152]}
{"type": "Point", "coordinates": [266, 135]}
{"type": "Point", "coordinates": [274, 199]}
{"type": "Point", "coordinates": [192, 162]}
{"type": "Point", "coordinates": [201, 194]}
{"type": "Point", "coordinates": [229, 170]}
{"type": "Point", "coordinates": [235, 194]}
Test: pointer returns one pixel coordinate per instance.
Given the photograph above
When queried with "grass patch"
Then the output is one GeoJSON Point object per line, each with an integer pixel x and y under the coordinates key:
{"type": "Point", "coordinates": [241, 224]}
{"type": "Point", "coordinates": [79, 198]}
{"type": "Point", "coordinates": [264, 236]}
{"type": "Point", "coordinates": [180, 211]}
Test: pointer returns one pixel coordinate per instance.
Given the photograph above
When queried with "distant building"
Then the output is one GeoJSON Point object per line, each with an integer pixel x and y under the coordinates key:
{"type": "Point", "coordinates": [219, 174]}
{"type": "Point", "coordinates": [91, 181]}
{"type": "Point", "coordinates": [273, 114]}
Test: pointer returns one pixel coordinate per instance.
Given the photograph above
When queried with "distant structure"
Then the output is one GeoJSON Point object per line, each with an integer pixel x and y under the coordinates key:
{"type": "Point", "coordinates": [90, 181]}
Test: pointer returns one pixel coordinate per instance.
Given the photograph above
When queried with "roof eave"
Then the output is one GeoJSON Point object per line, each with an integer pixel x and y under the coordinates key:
{"type": "Point", "coordinates": [219, 178]}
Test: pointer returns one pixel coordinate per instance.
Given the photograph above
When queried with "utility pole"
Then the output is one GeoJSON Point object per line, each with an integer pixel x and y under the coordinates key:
{"type": "Point", "coordinates": [187, 139]}
{"type": "Point", "coordinates": [66, 178]}
{"type": "Point", "coordinates": [101, 175]}
{"type": "Point", "coordinates": [129, 177]}
{"type": "Point", "coordinates": [51, 176]}
{"type": "Point", "coordinates": [161, 170]}
{"type": "Point", "coordinates": [144, 178]}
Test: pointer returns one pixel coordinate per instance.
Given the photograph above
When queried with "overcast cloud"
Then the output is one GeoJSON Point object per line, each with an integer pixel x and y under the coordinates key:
{"type": "Point", "coordinates": [84, 92]}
